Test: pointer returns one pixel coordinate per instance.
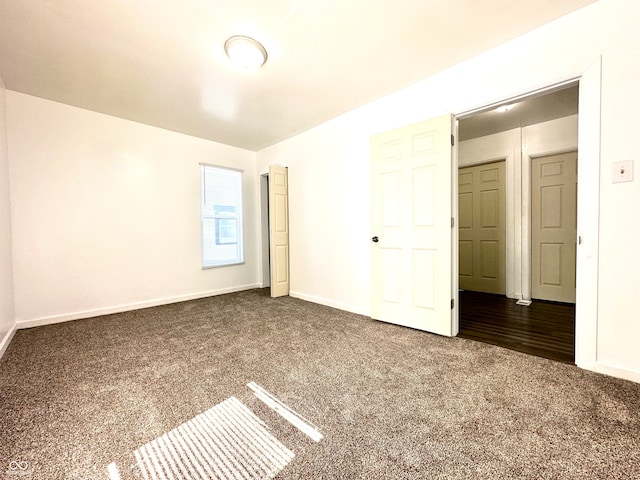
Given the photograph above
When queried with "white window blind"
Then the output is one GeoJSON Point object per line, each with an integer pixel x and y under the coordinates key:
{"type": "Point", "coordinates": [221, 210]}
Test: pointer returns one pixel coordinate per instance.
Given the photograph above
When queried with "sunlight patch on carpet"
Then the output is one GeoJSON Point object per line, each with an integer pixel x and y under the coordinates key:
{"type": "Point", "coordinates": [287, 413]}
{"type": "Point", "coordinates": [226, 442]}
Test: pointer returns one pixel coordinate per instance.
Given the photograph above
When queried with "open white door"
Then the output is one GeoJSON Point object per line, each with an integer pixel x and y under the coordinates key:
{"type": "Point", "coordinates": [411, 212]}
{"type": "Point", "coordinates": [279, 230]}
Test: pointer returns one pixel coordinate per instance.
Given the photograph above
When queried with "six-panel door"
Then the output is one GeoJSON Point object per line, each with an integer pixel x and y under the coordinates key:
{"type": "Point", "coordinates": [411, 173]}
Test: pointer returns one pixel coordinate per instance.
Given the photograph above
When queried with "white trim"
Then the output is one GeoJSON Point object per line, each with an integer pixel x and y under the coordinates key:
{"type": "Point", "coordinates": [263, 227]}
{"type": "Point", "coordinates": [587, 253]}
{"type": "Point", "coordinates": [37, 322]}
{"type": "Point", "coordinates": [616, 371]}
{"type": "Point", "coordinates": [208, 213]}
{"type": "Point", "coordinates": [455, 272]}
{"type": "Point", "coordinates": [6, 340]}
{"type": "Point", "coordinates": [221, 167]}
{"type": "Point", "coordinates": [587, 258]}
{"type": "Point", "coordinates": [330, 303]}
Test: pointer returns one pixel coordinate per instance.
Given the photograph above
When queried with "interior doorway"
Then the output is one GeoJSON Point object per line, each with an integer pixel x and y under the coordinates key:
{"type": "Point", "coordinates": [264, 221]}
{"type": "Point", "coordinates": [274, 212]}
{"type": "Point", "coordinates": [536, 132]}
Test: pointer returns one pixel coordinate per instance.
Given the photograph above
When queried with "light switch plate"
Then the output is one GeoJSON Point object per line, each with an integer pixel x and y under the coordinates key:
{"type": "Point", "coordinates": [622, 171]}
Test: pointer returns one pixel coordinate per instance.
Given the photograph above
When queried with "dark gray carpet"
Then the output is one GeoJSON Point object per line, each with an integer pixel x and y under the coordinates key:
{"type": "Point", "coordinates": [391, 402]}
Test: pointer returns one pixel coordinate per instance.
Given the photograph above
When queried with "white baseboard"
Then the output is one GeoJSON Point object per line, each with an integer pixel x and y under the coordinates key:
{"type": "Point", "coordinates": [617, 371]}
{"type": "Point", "coordinates": [4, 341]}
{"type": "Point", "coordinates": [330, 303]}
{"type": "Point", "coordinates": [38, 322]}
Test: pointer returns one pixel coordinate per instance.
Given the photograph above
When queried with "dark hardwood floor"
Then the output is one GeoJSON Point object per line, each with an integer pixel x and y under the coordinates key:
{"type": "Point", "coordinates": [545, 329]}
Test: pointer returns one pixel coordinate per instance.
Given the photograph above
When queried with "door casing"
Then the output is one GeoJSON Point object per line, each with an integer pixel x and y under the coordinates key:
{"type": "Point", "coordinates": [588, 204]}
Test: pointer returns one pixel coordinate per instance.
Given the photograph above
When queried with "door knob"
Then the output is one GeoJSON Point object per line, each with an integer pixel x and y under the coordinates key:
{"type": "Point", "coordinates": [374, 239]}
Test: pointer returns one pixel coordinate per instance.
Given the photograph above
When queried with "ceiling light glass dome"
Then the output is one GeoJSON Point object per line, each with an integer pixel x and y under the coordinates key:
{"type": "Point", "coordinates": [245, 52]}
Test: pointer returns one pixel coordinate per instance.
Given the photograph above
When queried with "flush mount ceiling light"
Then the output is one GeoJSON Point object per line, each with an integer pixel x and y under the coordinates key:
{"type": "Point", "coordinates": [245, 52]}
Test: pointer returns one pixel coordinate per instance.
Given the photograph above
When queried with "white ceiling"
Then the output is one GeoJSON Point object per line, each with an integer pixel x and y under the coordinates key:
{"type": "Point", "coordinates": [533, 109]}
{"type": "Point", "coordinates": [162, 63]}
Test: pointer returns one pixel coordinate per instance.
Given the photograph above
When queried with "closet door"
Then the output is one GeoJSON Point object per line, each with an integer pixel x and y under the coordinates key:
{"type": "Point", "coordinates": [482, 228]}
{"type": "Point", "coordinates": [553, 227]}
{"type": "Point", "coordinates": [279, 230]}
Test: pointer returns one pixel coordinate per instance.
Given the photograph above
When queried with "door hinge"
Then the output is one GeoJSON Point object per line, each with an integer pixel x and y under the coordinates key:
{"type": "Point", "coordinates": [453, 222]}
{"type": "Point", "coordinates": [452, 140]}
{"type": "Point", "coordinates": [452, 303]}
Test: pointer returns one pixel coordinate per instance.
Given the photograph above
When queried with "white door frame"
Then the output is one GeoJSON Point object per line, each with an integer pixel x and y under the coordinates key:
{"type": "Point", "coordinates": [586, 319]}
{"type": "Point", "coordinates": [264, 231]}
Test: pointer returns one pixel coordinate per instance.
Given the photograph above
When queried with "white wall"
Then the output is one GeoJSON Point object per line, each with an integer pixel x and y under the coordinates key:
{"type": "Point", "coordinates": [329, 179]}
{"type": "Point", "coordinates": [7, 312]}
{"type": "Point", "coordinates": [107, 213]}
{"type": "Point", "coordinates": [328, 213]}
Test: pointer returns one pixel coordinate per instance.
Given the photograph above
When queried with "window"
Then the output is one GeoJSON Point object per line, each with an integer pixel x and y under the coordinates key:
{"type": "Point", "coordinates": [221, 211]}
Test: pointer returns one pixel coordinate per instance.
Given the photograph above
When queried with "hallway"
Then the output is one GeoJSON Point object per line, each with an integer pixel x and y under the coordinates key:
{"type": "Point", "coordinates": [545, 329]}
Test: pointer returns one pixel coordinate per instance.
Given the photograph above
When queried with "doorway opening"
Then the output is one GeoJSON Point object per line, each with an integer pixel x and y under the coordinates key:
{"type": "Point", "coordinates": [264, 237]}
{"type": "Point", "coordinates": [517, 218]}
{"type": "Point", "coordinates": [274, 217]}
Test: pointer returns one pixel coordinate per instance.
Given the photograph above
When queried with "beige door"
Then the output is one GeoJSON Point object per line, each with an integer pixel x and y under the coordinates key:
{"type": "Point", "coordinates": [482, 228]}
{"type": "Point", "coordinates": [411, 230]}
{"type": "Point", "coordinates": [279, 230]}
{"type": "Point", "coordinates": [553, 227]}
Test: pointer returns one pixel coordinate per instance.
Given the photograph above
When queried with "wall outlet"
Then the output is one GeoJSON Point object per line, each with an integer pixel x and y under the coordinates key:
{"type": "Point", "coordinates": [622, 171]}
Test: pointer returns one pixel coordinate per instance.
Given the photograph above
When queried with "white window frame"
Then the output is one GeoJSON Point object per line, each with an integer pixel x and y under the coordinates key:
{"type": "Point", "coordinates": [217, 214]}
